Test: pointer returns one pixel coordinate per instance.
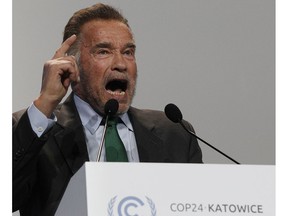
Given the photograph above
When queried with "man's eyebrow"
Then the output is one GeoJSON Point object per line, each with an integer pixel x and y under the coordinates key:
{"type": "Point", "coordinates": [130, 45]}
{"type": "Point", "coordinates": [109, 45]}
{"type": "Point", "coordinates": [103, 45]}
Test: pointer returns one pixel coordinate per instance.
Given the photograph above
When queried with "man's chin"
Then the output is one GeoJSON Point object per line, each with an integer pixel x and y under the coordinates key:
{"type": "Point", "coordinates": [123, 108]}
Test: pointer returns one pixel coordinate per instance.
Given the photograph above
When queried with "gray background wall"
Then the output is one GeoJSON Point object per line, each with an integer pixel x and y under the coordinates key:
{"type": "Point", "coordinates": [213, 58]}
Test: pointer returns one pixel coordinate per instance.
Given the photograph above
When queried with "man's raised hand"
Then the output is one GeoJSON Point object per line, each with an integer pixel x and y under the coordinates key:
{"type": "Point", "coordinates": [58, 73]}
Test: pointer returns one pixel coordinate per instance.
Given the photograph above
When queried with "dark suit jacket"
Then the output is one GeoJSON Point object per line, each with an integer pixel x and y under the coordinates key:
{"type": "Point", "coordinates": [42, 167]}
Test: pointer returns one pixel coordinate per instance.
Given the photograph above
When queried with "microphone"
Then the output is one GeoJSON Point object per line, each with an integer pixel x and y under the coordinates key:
{"type": "Point", "coordinates": [110, 109]}
{"type": "Point", "coordinates": [174, 114]}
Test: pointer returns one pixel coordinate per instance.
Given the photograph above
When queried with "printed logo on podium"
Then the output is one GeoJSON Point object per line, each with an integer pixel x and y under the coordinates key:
{"type": "Point", "coordinates": [131, 206]}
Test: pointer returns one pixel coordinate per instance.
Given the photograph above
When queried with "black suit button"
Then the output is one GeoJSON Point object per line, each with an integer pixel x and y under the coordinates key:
{"type": "Point", "coordinates": [19, 154]}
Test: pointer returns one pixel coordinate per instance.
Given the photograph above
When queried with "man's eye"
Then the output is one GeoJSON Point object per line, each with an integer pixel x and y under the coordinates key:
{"type": "Point", "coordinates": [129, 52]}
{"type": "Point", "coordinates": [103, 52]}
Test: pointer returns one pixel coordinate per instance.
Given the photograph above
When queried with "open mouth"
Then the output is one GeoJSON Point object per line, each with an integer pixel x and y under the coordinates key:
{"type": "Point", "coordinates": [117, 87]}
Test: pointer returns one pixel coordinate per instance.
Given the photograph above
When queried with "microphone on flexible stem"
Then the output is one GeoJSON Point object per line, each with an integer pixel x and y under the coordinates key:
{"type": "Point", "coordinates": [174, 114]}
{"type": "Point", "coordinates": [110, 109]}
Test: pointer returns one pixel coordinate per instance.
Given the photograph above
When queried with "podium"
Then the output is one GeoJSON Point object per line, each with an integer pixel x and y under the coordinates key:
{"type": "Point", "coordinates": [163, 189]}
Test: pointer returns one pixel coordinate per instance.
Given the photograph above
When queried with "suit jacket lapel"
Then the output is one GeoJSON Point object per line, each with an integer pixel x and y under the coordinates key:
{"type": "Point", "coordinates": [71, 139]}
{"type": "Point", "coordinates": [150, 147]}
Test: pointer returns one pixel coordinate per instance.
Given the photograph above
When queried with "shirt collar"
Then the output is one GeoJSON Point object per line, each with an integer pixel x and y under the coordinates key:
{"type": "Point", "coordinates": [91, 119]}
{"type": "Point", "coordinates": [125, 119]}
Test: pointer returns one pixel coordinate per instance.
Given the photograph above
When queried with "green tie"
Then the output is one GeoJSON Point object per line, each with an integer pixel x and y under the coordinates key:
{"type": "Point", "coordinates": [114, 147]}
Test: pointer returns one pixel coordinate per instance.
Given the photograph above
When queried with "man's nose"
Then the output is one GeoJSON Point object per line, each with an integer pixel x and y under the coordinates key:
{"type": "Point", "coordinates": [118, 62]}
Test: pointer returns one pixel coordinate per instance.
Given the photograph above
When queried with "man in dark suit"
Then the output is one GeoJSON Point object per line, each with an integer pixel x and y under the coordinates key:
{"type": "Point", "coordinates": [51, 141]}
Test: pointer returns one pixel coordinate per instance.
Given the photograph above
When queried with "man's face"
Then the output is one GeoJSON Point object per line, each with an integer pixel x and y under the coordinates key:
{"type": "Point", "coordinates": [107, 64]}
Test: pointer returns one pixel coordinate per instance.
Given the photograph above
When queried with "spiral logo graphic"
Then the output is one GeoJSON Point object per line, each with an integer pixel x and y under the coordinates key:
{"type": "Point", "coordinates": [131, 206]}
{"type": "Point", "coordinates": [128, 203]}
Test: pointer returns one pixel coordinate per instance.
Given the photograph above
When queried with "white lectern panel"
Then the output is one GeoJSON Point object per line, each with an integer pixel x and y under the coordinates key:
{"type": "Point", "coordinates": [150, 189]}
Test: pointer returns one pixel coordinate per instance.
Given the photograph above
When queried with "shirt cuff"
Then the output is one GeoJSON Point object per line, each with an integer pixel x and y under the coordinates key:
{"type": "Point", "coordinates": [39, 122]}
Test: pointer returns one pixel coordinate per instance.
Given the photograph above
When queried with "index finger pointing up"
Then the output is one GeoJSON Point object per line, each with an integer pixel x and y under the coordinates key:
{"type": "Point", "coordinates": [61, 52]}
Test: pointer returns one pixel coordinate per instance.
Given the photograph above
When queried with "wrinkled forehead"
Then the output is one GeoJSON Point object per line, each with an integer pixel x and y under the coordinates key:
{"type": "Point", "coordinates": [111, 31]}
